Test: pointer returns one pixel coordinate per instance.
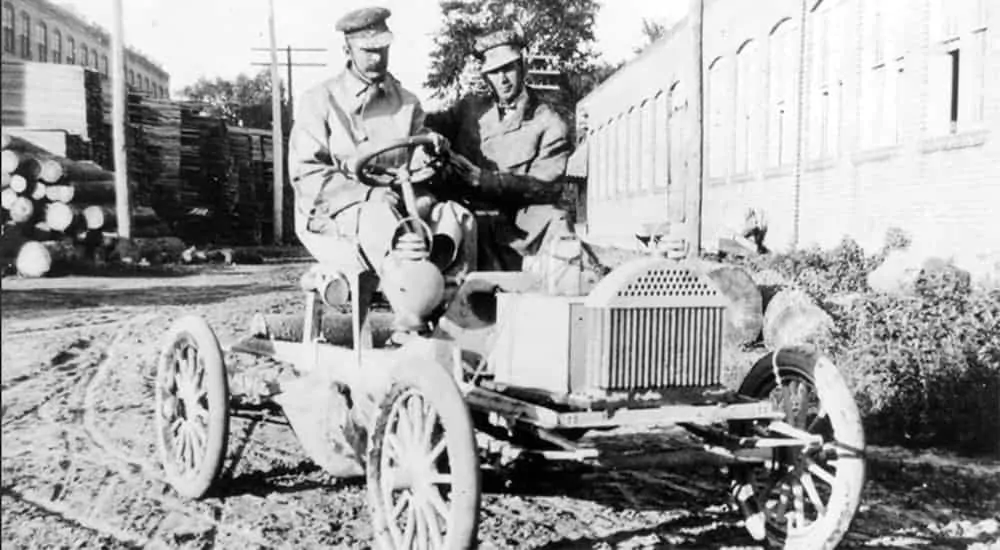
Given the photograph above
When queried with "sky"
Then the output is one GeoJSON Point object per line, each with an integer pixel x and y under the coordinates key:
{"type": "Point", "coordinates": [194, 38]}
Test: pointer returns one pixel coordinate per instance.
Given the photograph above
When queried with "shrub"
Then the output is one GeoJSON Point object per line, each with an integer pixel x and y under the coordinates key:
{"type": "Point", "coordinates": [925, 368]}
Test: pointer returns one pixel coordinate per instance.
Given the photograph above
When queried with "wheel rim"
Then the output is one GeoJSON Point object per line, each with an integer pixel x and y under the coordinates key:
{"type": "Point", "coordinates": [416, 479]}
{"type": "Point", "coordinates": [183, 409]}
{"type": "Point", "coordinates": [801, 482]}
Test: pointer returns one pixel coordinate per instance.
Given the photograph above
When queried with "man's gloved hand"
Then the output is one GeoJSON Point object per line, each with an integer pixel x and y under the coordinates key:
{"type": "Point", "coordinates": [440, 144]}
{"type": "Point", "coordinates": [384, 194]}
{"type": "Point", "coordinates": [425, 161]}
{"type": "Point", "coordinates": [469, 173]}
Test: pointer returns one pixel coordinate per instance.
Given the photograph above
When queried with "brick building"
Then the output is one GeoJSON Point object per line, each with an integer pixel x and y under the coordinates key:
{"type": "Point", "coordinates": [833, 117]}
{"type": "Point", "coordinates": [41, 31]}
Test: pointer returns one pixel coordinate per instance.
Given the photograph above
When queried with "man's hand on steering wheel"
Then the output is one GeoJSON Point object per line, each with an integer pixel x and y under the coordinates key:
{"type": "Point", "coordinates": [426, 158]}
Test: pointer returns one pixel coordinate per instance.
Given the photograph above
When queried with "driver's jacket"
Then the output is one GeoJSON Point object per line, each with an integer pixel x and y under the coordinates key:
{"type": "Point", "coordinates": [335, 121]}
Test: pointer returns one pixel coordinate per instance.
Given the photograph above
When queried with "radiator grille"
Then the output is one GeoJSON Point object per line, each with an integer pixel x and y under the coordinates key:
{"type": "Point", "coordinates": [667, 282]}
{"type": "Point", "coordinates": [645, 348]}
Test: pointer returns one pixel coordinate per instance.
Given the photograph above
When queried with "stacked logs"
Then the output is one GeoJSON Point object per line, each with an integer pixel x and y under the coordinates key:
{"type": "Point", "coordinates": [56, 210]}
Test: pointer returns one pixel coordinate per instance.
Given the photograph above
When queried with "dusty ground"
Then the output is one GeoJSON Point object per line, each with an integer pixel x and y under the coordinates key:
{"type": "Point", "coordinates": [78, 468]}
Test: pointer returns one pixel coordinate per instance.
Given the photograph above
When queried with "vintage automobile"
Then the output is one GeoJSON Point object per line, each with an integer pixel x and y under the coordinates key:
{"type": "Point", "coordinates": [510, 370]}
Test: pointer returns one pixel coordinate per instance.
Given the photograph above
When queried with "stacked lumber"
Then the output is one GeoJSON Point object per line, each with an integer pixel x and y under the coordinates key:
{"type": "Point", "coordinates": [249, 205]}
{"type": "Point", "coordinates": [154, 150]}
{"type": "Point", "coordinates": [45, 96]}
{"type": "Point", "coordinates": [206, 178]}
{"type": "Point", "coordinates": [63, 208]}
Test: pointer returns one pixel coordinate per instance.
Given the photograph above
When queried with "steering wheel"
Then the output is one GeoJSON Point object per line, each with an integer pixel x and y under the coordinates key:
{"type": "Point", "coordinates": [367, 173]}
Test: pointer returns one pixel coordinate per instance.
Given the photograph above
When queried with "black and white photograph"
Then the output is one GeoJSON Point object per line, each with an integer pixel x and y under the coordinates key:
{"type": "Point", "coordinates": [500, 274]}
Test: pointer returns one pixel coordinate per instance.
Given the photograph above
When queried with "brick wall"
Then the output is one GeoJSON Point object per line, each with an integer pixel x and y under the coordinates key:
{"type": "Point", "coordinates": [836, 122]}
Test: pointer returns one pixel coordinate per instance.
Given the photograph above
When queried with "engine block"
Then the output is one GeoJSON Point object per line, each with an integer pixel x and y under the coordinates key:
{"type": "Point", "coordinates": [650, 324]}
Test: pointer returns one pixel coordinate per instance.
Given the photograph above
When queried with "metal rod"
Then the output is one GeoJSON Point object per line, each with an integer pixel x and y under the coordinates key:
{"type": "Point", "coordinates": [293, 64]}
{"type": "Point", "coordinates": [277, 130]}
{"type": "Point", "coordinates": [293, 49]}
{"type": "Point", "coordinates": [118, 113]}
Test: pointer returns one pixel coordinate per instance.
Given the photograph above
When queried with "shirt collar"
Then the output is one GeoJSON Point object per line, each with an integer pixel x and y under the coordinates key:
{"type": "Point", "coordinates": [516, 107]}
{"type": "Point", "coordinates": [361, 92]}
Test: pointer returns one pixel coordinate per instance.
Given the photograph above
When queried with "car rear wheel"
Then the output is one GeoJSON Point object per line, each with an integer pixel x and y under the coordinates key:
{"type": "Point", "coordinates": [192, 407]}
{"type": "Point", "coordinates": [806, 496]}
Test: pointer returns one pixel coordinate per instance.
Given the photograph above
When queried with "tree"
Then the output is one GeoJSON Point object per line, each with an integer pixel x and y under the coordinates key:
{"type": "Point", "coordinates": [245, 101]}
{"type": "Point", "coordinates": [652, 30]}
{"type": "Point", "coordinates": [563, 29]}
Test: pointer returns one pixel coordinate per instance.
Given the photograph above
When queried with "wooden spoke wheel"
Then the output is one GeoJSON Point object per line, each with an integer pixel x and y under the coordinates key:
{"type": "Point", "coordinates": [423, 468]}
{"type": "Point", "coordinates": [807, 495]}
{"type": "Point", "coordinates": [192, 407]}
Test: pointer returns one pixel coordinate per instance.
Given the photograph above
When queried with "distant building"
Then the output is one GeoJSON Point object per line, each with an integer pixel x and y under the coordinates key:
{"type": "Point", "coordinates": [833, 117]}
{"type": "Point", "coordinates": [40, 31]}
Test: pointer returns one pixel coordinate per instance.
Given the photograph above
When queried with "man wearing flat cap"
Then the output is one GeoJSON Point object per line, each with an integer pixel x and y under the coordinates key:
{"type": "Point", "coordinates": [347, 225]}
{"type": "Point", "coordinates": [510, 150]}
{"type": "Point", "coordinates": [344, 223]}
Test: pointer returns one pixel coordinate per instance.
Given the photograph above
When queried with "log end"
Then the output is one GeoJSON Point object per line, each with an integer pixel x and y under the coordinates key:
{"type": "Point", "coordinates": [33, 260]}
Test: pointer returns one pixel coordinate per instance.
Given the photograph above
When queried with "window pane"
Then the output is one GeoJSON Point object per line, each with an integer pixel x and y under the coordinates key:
{"type": "Point", "coordinates": [8, 27]}
{"type": "Point", "coordinates": [25, 35]}
{"type": "Point", "coordinates": [661, 157]}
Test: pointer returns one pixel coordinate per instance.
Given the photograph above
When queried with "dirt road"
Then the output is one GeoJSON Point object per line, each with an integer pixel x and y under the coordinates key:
{"type": "Point", "coordinates": [78, 468]}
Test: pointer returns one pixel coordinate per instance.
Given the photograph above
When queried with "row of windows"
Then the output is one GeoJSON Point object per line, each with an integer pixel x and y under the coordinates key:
{"type": "Point", "coordinates": [739, 109]}
{"type": "Point", "coordinates": [17, 40]}
{"type": "Point", "coordinates": [638, 150]}
{"type": "Point", "coordinates": [751, 122]}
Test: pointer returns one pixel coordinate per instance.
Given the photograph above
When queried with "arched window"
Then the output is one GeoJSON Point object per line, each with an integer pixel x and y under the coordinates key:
{"type": "Point", "coordinates": [782, 77]}
{"type": "Point", "coordinates": [84, 55]}
{"type": "Point", "coordinates": [621, 164]}
{"type": "Point", "coordinates": [661, 127]}
{"type": "Point", "coordinates": [25, 35]}
{"type": "Point", "coordinates": [70, 50]}
{"type": "Point", "coordinates": [607, 157]}
{"type": "Point", "coordinates": [647, 141]}
{"type": "Point", "coordinates": [104, 65]}
{"type": "Point", "coordinates": [720, 127]}
{"type": "Point", "coordinates": [595, 170]}
{"type": "Point", "coordinates": [882, 69]}
{"type": "Point", "coordinates": [57, 46]}
{"type": "Point", "coordinates": [8, 27]}
{"type": "Point", "coordinates": [43, 42]}
{"type": "Point", "coordinates": [747, 86]}
{"type": "Point", "coordinates": [677, 159]}
{"type": "Point", "coordinates": [826, 24]}
{"type": "Point", "coordinates": [94, 60]}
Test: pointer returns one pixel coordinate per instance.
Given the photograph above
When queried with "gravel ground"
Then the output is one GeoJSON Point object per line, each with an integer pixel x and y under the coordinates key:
{"type": "Point", "coordinates": [79, 471]}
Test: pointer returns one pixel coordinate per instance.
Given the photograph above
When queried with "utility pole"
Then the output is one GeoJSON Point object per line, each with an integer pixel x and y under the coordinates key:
{"type": "Point", "coordinates": [291, 97]}
{"type": "Point", "coordinates": [118, 106]}
{"type": "Point", "coordinates": [277, 133]}
{"type": "Point", "coordinates": [289, 64]}
{"type": "Point", "coordinates": [698, 25]}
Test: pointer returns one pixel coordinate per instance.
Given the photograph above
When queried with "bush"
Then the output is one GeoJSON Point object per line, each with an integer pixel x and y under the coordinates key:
{"type": "Point", "coordinates": [925, 368]}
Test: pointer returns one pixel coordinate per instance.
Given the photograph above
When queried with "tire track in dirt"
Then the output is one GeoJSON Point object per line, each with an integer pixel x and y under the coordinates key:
{"type": "Point", "coordinates": [105, 489]}
{"type": "Point", "coordinates": [31, 391]}
{"type": "Point", "coordinates": [131, 467]}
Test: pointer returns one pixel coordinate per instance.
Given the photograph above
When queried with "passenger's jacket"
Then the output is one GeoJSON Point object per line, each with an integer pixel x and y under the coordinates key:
{"type": "Point", "coordinates": [525, 150]}
{"type": "Point", "coordinates": [335, 121]}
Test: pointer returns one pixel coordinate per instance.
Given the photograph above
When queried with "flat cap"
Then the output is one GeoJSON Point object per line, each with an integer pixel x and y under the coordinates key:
{"type": "Point", "coordinates": [366, 27]}
{"type": "Point", "coordinates": [498, 48]}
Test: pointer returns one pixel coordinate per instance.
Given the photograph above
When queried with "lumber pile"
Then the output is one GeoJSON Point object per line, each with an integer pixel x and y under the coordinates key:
{"type": "Point", "coordinates": [57, 210]}
{"type": "Point", "coordinates": [46, 96]}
